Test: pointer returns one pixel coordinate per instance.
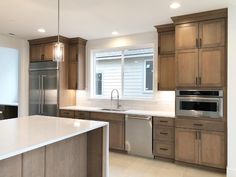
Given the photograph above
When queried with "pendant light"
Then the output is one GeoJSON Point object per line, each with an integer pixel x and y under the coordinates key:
{"type": "Point", "coordinates": [58, 51]}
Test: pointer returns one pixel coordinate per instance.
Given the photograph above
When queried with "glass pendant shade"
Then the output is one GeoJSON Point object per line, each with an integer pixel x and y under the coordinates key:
{"type": "Point", "coordinates": [58, 52]}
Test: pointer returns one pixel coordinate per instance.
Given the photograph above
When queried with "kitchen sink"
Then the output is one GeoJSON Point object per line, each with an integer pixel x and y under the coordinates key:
{"type": "Point", "coordinates": [107, 109]}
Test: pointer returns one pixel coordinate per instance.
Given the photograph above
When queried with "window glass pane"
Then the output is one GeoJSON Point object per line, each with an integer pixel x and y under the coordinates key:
{"type": "Point", "coordinates": [134, 78]}
{"type": "Point", "coordinates": [129, 71]}
{"type": "Point", "coordinates": [111, 76]}
{"type": "Point", "coordinates": [149, 75]}
{"type": "Point", "coordinates": [99, 84]}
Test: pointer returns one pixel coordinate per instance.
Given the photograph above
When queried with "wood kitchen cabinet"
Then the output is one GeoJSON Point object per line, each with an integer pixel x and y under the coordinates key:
{"type": "Point", "coordinates": [42, 49]}
{"type": "Point", "coordinates": [200, 142]}
{"type": "Point", "coordinates": [200, 49]}
{"type": "Point", "coordinates": [116, 128]}
{"type": "Point", "coordinates": [163, 137]}
{"type": "Point", "coordinates": [186, 145]}
{"type": "Point", "coordinates": [166, 57]}
{"type": "Point", "coordinates": [77, 64]}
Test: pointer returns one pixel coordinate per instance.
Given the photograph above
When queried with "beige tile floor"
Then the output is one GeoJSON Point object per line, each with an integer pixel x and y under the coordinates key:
{"type": "Point", "coordinates": [122, 165]}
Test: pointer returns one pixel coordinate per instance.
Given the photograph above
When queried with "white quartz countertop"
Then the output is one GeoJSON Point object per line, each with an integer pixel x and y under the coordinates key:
{"type": "Point", "coordinates": [28, 133]}
{"type": "Point", "coordinates": [130, 111]}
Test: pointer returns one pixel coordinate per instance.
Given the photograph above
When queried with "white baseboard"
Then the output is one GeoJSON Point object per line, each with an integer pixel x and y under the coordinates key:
{"type": "Point", "coordinates": [231, 172]}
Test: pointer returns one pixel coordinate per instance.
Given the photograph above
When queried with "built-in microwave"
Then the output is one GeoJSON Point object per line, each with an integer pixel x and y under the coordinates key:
{"type": "Point", "coordinates": [199, 103]}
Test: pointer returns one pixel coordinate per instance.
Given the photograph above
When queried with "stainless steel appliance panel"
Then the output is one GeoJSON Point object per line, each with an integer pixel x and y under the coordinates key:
{"type": "Point", "coordinates": [199, 103]}
{"type": "Point", "coordinates": [139, 135]}
{"type": "Point", "coordinates": [44, 88]}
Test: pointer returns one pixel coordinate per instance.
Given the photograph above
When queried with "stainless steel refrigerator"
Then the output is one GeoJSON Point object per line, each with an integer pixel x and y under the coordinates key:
{"type": "Point", "coordinates": [44, 88]}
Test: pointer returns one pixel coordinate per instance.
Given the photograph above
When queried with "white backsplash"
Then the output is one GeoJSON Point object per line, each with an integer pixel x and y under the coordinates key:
{"type": "Point", "coordinates": [164, 101]}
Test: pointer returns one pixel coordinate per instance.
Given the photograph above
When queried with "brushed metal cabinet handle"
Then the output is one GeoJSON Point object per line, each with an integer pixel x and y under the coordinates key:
{"type": "Point", "coordinates": [162, 133]}
{"type": "Point", "coordinates": [163, 149]}
{"type": "Point", "coordinates": [197, 44]}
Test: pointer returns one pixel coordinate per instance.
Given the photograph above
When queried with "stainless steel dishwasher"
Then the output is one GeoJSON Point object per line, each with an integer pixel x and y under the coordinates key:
{"type": "Point", "coordinates": [138, 134]}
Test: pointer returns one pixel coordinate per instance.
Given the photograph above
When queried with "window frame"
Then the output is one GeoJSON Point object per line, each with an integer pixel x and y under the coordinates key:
{"type": "Point", "coordinates": [92, 77]}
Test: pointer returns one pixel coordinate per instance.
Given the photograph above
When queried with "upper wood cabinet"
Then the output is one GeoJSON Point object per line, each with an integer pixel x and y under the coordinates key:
{"type": "Point", "coordinates": [211, 67]}
{"type": "Point", "coordinates": [166, 57]}
{"type": "Point", "coordinates": [77, 64]}
{"type": "Point", "coordinates": [212, 33]}
{"type": "Point", "coordinates": [200, 49]}
{"type": "Point", "coordinates": [42, 49]}
{"type": "Point", "coordinates": [186, 36]}
{"type": "Point", "coordinates": [36, 52]}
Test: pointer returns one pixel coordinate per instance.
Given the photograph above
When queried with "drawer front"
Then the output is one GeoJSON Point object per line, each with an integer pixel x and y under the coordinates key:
{"type": "Point", "coordinates": [199, 124]}
{"type": "Point", "coordinates": [163, 133]}
{"type": "Point", "coordinates": [107, 116]}
{"type": "Point", "coordinates": [81, 115]}
{"type": "Point", "coordinates": [164, 121]}
{"type": "Point", "coordinates": [163, 149]}
{"type": "Point", "coordinates": [67, 113]}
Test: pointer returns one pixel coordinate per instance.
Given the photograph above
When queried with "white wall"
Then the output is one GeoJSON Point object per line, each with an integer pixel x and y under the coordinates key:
{"type": "Point", "coordinates": [231, 169]}
{"type": "Point", "coordinates": [23, 48]}
{"type": "Point", "coordinates": [163, 101]}
{"type": "Point", "coordinates": [9, 71]}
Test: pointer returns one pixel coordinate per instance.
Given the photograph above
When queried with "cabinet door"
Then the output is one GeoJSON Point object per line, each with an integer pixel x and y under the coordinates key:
{"type": "Point", "coordinates": [187, 68]}
{"type": "Point", "coordinates": [73, 52]}
{"type": "Point", "coordinates": [212, 67]}
{"type": "Point", "coordinates": [212, 149]}
{"type": "Point", "coordinates": [117, 137]}
{"type": "Point", "coordinates": [36, 53]}
{"type": "Point", "coordinates": [212, 33]}
{"type": "Point", "coordinates": [73, 75]}
{"type": "Point", "coordinates": [166, 72]}
{"type": "Point", "coordinates": [166, 42]}
{"type": "Point", "coordinates": [186, 145]}
{"type": "Point", "coordinates": [48, 52]}
{"type": "Point", "coordinates": [186, 36]}
{"type": "Point", "coordinates": [81, 67]}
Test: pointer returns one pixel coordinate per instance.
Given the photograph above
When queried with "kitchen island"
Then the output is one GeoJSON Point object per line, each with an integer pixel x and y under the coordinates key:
{"type": "Point", "coordinates": [41, 146]}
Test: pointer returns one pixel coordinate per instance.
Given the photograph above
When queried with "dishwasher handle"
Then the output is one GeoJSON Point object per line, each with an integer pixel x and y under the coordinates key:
{"type": "Point", "coordinates": [138, 117]}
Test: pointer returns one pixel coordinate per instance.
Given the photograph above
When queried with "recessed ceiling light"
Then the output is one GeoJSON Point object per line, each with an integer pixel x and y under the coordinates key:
{"type": "Point", "coordinates": [41, 30]}
{"type": "Point", "coordinates": [175, 5]}
{"type": "Point", "coordinates": [114, 33]}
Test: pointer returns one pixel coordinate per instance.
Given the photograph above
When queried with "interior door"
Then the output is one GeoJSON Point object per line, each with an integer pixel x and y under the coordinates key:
{"type": "Point", "coordinates": [49, 93]}
{"type": "Point", "coordinates": [35, 93]}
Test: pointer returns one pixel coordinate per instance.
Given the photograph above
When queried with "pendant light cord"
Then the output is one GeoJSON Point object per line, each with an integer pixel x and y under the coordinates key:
{"type": "Point", "coordinates": [58, 23]}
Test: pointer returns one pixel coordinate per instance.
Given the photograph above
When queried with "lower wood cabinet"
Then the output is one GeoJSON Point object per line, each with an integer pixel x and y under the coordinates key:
{"type": "Point", "coordinates": [200, 147]}
{"type": "Point", "coordinates": [186, 145]}
{"type": "Point", "coordinates": [163, 137]}
{"type": "Point", "coordinates": [116, 128]}
{"type": "Point", "coordinates": [67, 113]}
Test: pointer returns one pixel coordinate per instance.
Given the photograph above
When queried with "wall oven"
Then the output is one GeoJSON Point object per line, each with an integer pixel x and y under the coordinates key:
{"type": "Point", "coordinates": [199, 103]}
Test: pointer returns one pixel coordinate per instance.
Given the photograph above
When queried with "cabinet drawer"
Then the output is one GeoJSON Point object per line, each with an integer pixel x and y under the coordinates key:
{"type": "Point", "coordinates": [163, 149]}
{"type": "Point", "coordinates": [107, 116]}
{"type": "Point", "coordinates": [67, 113]}
{"type": "Point", "coordinates": [163, 133]}
{"type": "Point", "coordinates": [199, 124]}
{"type": "Point", "coordinates": [81, 115]}
{"type": "Point", "coordinates": [164, 121]}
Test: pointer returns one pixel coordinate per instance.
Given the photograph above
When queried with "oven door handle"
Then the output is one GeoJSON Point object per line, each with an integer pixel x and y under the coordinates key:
{"type": "Point", "coordinates": [196, 99]}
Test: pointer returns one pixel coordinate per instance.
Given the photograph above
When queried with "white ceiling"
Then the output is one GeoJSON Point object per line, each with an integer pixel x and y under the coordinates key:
{"type": "Point", "coordinates": [93, 19]}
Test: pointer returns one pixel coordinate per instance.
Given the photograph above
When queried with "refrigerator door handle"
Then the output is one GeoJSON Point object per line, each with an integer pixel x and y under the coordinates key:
{"type": "Point", "coordinates": [43, 95]}
{"type": "Point", "coordinates": [39, 100]}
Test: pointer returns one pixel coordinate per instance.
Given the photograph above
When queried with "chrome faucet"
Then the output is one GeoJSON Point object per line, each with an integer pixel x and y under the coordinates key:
{"type": "Point", "coordinates": [118, 98]}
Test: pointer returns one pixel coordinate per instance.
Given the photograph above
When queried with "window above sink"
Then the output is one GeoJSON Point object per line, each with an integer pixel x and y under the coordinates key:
{"type": "Point", "coordinates": [130, 71]}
